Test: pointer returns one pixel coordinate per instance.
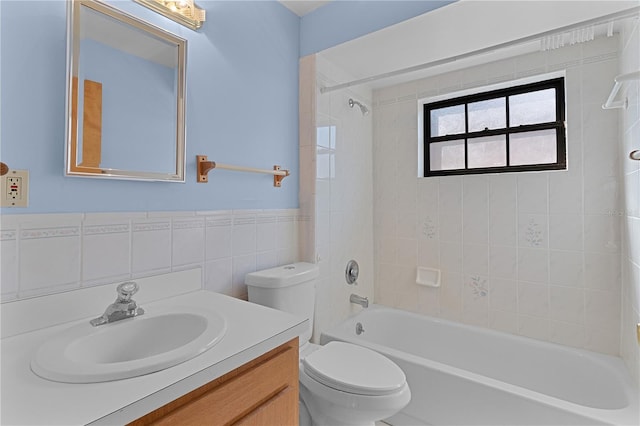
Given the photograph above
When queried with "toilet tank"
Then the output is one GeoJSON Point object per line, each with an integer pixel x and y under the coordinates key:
{"type": "Point", "coordinates": [289, 288]}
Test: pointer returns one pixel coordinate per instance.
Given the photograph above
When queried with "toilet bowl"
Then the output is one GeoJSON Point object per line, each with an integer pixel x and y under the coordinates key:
{"type": "Point", "coordinates": [346, 384]}
{"type": "Point", "coordinates": [340, 383]}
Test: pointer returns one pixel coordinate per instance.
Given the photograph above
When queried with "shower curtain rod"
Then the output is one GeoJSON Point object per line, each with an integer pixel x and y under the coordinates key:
{"type": "Point", "coordinates": [595, 21]}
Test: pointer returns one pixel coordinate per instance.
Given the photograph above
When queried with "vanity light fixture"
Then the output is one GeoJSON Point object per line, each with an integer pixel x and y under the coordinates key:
{"type": "Point", "coordinates": [185, 12]}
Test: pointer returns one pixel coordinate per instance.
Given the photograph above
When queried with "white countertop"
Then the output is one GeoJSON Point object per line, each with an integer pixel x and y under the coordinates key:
{"type": "Point", "coordinates": [28, 399]}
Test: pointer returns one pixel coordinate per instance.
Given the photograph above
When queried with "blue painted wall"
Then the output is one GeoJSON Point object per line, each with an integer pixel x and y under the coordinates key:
{"type": "Point", "coordinates": [242, 108]}
{"type": "Point", "coordinates": [242, 100]}
{"type": "Point", "coordinates": [344, 20]}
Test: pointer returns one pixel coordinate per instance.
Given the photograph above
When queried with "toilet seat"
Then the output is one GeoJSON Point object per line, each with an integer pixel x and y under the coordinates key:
{"type": "Point", "coordinates": [354, 369]}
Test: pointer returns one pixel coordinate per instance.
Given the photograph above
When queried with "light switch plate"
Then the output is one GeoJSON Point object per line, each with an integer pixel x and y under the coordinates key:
{"type": "Point", "coordinates": [15, 189]}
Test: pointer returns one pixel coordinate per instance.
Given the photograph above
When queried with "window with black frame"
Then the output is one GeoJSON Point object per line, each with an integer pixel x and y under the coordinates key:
{"type": "Point", "coordinates": [515, 129]}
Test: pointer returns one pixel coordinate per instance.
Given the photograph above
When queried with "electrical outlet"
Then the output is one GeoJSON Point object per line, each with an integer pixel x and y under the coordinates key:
{"type": "Point", "coordinates": [15, 189]}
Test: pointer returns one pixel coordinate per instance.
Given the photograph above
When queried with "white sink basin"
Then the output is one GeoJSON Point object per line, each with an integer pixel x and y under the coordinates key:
{"type": "Point", "coordinates": [128, 348]}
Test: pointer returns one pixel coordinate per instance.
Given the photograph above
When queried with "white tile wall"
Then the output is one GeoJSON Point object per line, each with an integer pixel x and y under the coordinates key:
{"type": "Point", "coordinates": [151, 246]}
{"type": "Point", "coordinates": [44, 254]}
{"type": "Point", "coordinates": [106, 250]}
{"type": "Point", "coordinates": [536, 254]}
{"type": "Point", "coordinates": [188, 246]}
{"type": "Point", "coordinates": [8, 263]}
{"type": "Point", "coordinates": [340, 189]}
{"type": "Point", "coordinates": [630, 213]}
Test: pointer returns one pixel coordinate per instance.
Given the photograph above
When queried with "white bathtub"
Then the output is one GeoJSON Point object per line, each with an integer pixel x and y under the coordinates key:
{"type": "Point", "coordinates": [465, 375]}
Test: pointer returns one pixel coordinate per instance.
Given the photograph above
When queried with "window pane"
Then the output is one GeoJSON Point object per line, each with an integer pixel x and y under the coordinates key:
{"type": "Point", "coordinates": [489, 151]}
{"type": "Point", "coordinates": [446, 155]}
{"type": "Point", "coordinates": [533, 148]}
{"type": "Point", "coordinates": [325, 152]}
{"type": "Point", "coordinates": [489, 114]}
{"type": "Point", "coordinates": [325, 136]}
{"type": "Point", "coordinates": [447, 121]}
{"type": "Point", "coordinates": [532, 108]}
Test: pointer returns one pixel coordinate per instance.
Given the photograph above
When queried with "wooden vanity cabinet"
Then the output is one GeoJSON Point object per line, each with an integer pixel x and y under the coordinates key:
{"type": "Point", "coordinates": [262, 392]}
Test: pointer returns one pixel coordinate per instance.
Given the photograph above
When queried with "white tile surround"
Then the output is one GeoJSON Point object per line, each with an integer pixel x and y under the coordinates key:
{"type": "Point", "coordinates": [534, 254]}
{"type": "Point", "coordinates": [630, 136]}
{"type": "Point", "coordinates": [335, 189]}
{"type": "Point", "coordinates": [50, 253]}
{"type": "Point", "coordinates": [545, 255]}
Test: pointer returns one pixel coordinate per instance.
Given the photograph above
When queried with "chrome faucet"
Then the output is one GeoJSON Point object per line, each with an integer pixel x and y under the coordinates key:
{"type": "Point", "coordinates": [124, 307]}
{"type": "Point", "coordinates": [362, 301]}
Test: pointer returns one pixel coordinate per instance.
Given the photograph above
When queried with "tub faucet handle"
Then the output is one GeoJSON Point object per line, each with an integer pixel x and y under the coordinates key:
{"type": "Point", "coordinates": [352, 272]}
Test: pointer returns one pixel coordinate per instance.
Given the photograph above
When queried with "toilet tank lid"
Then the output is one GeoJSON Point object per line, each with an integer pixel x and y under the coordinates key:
{"type": "Point", "coordinates": [283, 276]}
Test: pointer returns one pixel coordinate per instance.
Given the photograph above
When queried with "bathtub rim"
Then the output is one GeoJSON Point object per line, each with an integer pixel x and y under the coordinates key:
{"type": "Point", "coordinates": [617, 416]}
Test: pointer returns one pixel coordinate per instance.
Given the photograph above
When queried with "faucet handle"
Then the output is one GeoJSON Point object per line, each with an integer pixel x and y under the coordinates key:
{"type": "Point", "coordinates": [126, 290]}
{"type": "Point", "coordinates": [352, 272]}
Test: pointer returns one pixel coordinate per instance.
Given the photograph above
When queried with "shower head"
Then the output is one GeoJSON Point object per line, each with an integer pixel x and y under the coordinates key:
{"type": "Point", "coordinates": [363, 108]}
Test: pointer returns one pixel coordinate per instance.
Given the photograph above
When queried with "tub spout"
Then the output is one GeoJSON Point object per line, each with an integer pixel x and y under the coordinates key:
{"type": "Point", "coordinates": [362, 301]}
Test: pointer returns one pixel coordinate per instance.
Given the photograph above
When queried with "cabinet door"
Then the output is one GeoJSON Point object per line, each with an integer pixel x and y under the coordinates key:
{"type": "Point", "coordinates": [265, 390]}
{"type": "Point", "coordinates": [281, 410]}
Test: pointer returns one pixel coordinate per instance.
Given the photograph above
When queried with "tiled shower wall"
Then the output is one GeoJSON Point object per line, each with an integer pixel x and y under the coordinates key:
{"type": "Point", "coordinates": [630, 125]}
{"type": "Point", "coordinates": [50, 253]}
{"type": "Point", "coordinates": [344, 195]}
{"type": "Point", "coordinates": [335, 188]}
{"type": "Point", "coordinates": [533, 254]}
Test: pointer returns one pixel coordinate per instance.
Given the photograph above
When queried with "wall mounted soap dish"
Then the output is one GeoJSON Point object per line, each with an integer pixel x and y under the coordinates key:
{"type": "Point", "coordinates": [428, 277]}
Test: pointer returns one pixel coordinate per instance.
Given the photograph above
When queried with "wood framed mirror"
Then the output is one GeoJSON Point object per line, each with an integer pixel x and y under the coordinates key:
{"type": "Point", "coordinates": [125, 96]}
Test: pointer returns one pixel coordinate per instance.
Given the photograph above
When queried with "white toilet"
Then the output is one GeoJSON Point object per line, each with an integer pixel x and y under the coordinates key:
{"type": "Point", "coordinates": [340, 383]}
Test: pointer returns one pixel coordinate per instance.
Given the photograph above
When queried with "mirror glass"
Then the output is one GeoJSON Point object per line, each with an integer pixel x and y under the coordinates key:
{"type": "Point", "coordinates": [125, 97]}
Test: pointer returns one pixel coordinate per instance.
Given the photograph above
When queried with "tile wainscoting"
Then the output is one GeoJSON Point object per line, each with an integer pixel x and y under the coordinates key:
{"type": "Point", "coordinates": [51, 253]}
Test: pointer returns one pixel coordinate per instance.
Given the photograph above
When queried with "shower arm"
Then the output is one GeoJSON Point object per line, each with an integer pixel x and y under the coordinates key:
{"type": "Point", "coordinates": [363, 107]}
